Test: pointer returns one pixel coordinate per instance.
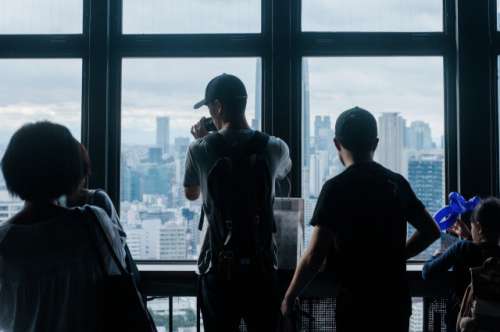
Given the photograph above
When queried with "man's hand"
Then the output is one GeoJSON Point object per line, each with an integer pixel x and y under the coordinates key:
{"type": "Point", "coordinates": [199, 130]}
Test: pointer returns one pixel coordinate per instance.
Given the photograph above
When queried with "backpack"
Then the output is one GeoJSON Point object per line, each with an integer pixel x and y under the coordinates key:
{"type": "Point", "coordinates": [239, 206]}
{"type": "Point", "coordinates": [480, 310]}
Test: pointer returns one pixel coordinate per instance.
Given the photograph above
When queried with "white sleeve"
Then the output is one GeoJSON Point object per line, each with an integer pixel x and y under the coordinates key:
{"type": "Point", "coordinates": [284, 162]}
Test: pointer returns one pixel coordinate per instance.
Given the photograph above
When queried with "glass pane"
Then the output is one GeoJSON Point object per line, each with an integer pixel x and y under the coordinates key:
{"type": "Point", "coordinates": [37, 90]}
{"type": "Point", "coordinates": [184, 315]}
{"type": "Point", "coordinates": [498, 15]}
{"type": "Point", "coordinates": [41, 17]}
{"type": "Point", "coordinates": [405, 94]}
{"type": "Point", "coordinates": [417, 315]}
{"type": "Point", "coordinates": [159, 310]}
{"type": "Point", "coordinates": [191, 16]}
{"type": "Point", "coordinates": [157, 114]}
{"type": "Point", "coordinates": [372, 15]}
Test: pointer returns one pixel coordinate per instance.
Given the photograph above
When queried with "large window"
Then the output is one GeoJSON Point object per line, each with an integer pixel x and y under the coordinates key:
{"type": "Point", "coordinates": [405, 94]}
{"type": "Point", "coordinates": [191, 16]}
{"type": "Point", "coordinates": [41, 16]}
{"type": "Point", "coordinates": [372, 15]}
{"type": "Point", "coordinates": [36, 90]}
{"type": "Point", "coordinates": [157, 115]}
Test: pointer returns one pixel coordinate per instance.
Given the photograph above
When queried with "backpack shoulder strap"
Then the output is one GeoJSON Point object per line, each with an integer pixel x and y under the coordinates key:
{"type": "Point", "coordinates": [257, 143]}
{"type": "Point", "coordinates": [218, 143]}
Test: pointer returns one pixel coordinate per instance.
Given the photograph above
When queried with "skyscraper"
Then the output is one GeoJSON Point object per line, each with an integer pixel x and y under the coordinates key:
{"type": "Point", "coordinates": [418, 136]}
{"type": "Point", "coordinates": [391, 131]}
{"type": "Point", "coordinates": [425, 174]}
{"type": "Point", "coordinates": [323, 133]}
{"type": "Point", "coordinates": [163, 133]}
{"type": "Point", "coordinates": [319, 172]}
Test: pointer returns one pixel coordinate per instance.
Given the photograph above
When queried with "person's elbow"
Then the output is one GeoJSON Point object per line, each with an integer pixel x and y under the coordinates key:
{"type": "Point", "coordinates": [314, 261]}
{"type": "Point", "coordinates": [192, 193]}
{"type": "Point", "coordinates": [433, 233]}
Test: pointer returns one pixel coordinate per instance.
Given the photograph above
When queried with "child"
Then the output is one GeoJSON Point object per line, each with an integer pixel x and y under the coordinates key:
{"type": "Point", "coordinates": [485, 232]}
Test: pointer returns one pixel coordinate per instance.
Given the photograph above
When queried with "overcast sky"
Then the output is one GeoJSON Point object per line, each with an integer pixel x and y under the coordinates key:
{"type": "Point", "coordinates": [51, 89]}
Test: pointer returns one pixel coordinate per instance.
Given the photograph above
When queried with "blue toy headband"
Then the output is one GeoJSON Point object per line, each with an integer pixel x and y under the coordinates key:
{"type": "Point", "coordinates": [447, 216]}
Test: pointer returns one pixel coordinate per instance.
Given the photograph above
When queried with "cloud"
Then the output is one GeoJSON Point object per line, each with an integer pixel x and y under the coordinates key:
{"type": "Point", "coordinates": [38, 88]}
{"type": "Point", "coordinates": [193, 16]}
{"type": "Point", "coordinates": [41, 16]}
{"type": "Point", "coordinates": [412, 86]}
{"type": "Point", "coordinates": [370, 15]}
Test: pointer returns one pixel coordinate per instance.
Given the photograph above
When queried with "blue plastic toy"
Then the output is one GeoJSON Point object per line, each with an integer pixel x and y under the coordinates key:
{"type": "Point", "coordinates": [447, 216]}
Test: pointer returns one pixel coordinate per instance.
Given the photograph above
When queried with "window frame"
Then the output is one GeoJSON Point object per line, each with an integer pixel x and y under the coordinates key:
{"type": "Point", "coordinates": [281, 45]}
{"type": "Point", "coordinates": [55, 46]}
{"type": "Point", "coordinates": [355, 44]}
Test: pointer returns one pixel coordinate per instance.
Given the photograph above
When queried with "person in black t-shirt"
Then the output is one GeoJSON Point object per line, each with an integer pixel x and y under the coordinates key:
{"type": "Point", "coordinates": [360, 229]}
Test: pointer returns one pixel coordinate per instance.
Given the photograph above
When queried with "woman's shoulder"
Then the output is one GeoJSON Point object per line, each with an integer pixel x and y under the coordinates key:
{"type": "Point", "coordinates": [99, 198]}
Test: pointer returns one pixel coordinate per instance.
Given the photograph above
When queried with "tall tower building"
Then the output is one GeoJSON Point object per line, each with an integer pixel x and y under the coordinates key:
{"type": "Point", "coordinates": [426, 174]}
{"type": "Point", "coordinates": [323, 133]}
{"type": "Point", "coordinates": [391, 131]}
{"type": "Point", "coordinates": [419, 136]}
{"type": "Point", "coordinates": [163, 133]}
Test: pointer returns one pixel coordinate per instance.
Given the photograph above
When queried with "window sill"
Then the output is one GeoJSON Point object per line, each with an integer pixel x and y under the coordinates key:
{"type": "Point", "coordinates": [182, 280]}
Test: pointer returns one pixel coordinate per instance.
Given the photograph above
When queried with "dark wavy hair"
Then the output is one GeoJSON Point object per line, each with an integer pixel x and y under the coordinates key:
{"type": "Point", "coordinates": [43, 161]}
{"type": "Point", "coordinates": [487, 214]}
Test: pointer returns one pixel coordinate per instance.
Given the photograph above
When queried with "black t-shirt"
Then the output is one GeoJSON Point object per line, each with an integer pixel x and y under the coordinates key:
{"type": "Point", "coordinates": [367, 207]}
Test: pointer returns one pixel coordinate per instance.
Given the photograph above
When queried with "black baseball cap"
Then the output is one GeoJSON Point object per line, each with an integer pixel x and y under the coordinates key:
{"type": "Point", "coordinates": [356, 130]}
{"type": "Point", "coordinates": [224, 87]}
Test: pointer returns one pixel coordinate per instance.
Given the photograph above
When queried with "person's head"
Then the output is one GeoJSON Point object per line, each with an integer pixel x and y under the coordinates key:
{"type": "Point", "coordinates": [42, 162]}
{"type": "Point", "coordinates": [356, 136]}
{"type": "Point", "coordinates": [485, 225]}
{"type": "Point", "coordinates": [226, 99]}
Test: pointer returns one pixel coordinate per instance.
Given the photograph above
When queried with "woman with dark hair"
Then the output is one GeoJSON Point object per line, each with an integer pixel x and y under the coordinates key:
{"type": "Point", "coordinates": [51, 257]}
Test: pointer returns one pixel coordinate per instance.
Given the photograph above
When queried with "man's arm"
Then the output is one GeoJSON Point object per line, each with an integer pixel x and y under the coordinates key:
{"type": "Point", "coordinates": [426, 233]}
{"type": "Point", "coordinates": [191, 177]}
{"type": "Point", "coordinates": [309, 265]}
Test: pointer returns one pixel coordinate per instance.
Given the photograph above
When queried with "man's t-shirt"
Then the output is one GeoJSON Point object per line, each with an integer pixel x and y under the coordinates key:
{"type": "Point", "coordinates": [367, 207]}
{"type": "Point", "coordinates": [201, 158]}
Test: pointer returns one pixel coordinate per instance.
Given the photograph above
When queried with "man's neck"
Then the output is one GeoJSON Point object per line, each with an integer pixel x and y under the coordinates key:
{"type": "Point", "coordinates": [351, 161]}
{"type": "Point", "coordinates": [237, 125]}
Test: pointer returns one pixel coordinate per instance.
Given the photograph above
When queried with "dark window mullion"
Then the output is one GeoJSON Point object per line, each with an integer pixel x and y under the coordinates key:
{"type": "Point", "coordinates": [97, 89]}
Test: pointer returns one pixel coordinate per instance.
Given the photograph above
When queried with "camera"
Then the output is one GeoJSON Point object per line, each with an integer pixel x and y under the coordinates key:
{"type": "Point", "coordinates": [208, 124]}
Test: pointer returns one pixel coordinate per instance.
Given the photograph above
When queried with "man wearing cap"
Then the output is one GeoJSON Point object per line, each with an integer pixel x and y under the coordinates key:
{"type": "Point", "coordinates": [360, 230]}
{"type": "Point", "coordinates": [222, 305]}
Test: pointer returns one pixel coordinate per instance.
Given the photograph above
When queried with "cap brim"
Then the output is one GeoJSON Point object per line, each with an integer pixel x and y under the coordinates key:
{"type": "Point", "coordinates": [200, 104]}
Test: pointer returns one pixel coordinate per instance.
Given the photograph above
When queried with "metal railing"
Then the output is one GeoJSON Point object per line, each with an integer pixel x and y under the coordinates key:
{"type": "Point", "coordinates": [172, 293]}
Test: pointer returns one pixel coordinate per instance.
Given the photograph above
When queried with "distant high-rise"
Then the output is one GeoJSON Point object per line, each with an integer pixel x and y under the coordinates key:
{"type": "Point", "coordinates": [306, 144]}
{"type": "Point", "coordinates": [181, 146]}
{"type": "Point", "coordinates": [391, 131]}
{"type": "Point", "coordinates": [155, 155]}
{"type": "Point", "coordinates": [418, 136]}
{"type": "Point", "coordinates": [425, 174]}
{"type": "Point", "coordinates": [323, 133]}
{"type": "Point", "coordinates": [318, 172]}
{"type": "Point", "coordinates": [163, 133]}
